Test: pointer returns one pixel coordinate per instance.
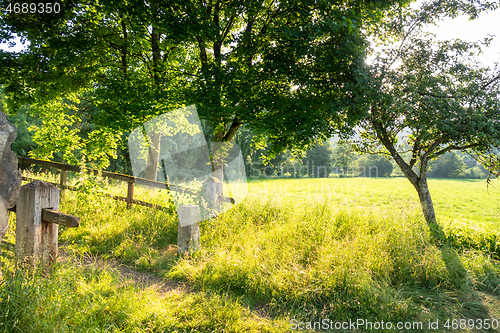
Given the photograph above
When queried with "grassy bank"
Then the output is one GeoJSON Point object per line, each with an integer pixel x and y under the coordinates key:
{"type": "Point", "coordinates": [96, 299]}
{"type": "Point", "coordinates": [305, 249]}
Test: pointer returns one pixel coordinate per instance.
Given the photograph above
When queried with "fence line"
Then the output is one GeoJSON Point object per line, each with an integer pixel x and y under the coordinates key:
{"type": "Point", "coordinates": [130, 180]}
{"type": "Point", "coordinates": [107, 174]}
{"type": "Point", "coordinates": [102, 194]}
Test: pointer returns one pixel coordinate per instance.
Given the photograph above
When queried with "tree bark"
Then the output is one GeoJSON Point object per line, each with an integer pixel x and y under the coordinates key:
{"type": "Point", "coordinates": [218, 171]}
{"type": "Point", "coordinates": [426, 201]}
{"type": "Point", "coordinates": [155, 48]}
{"type": "Point", "coordinates": [236, 124]}
{"type": "Point", "coordinates": [420, 181]}
{"type": "Point", "coordinates": [217, 162]}
{"type": "Point", "coordinates": [153, 157]}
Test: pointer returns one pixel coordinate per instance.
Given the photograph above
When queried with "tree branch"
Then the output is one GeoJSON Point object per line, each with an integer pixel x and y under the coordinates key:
{"type": "Point", "coordinates": [453, 147]}
{"type": "Point", "coordinates": [203, 50]}
{"type": "Point", "coordinates": [124, 46]}
{"type": "Point", "coordinates": [227, 28]}
{"type": "Point", "coordinates": [386, 141]}
{"type": "Point", "coordinates": [233, 129]}
{"type": "Point", "coordinates": [433, 146]}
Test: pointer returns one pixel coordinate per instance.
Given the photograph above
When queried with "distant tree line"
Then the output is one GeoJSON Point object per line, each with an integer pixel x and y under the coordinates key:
{"type": "Point", "coordinates": [323, 160]}
{"type": "Point", "coordinates": [340, 160]}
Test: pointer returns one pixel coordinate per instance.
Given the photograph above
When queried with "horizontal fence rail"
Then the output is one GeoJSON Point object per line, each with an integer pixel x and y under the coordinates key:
{"type": "Point", "coordinates": [103, 194]}
{"type": "Point", "coordinates": [64, 168]}
{"type": "Point", "coordinates": [112, 175]}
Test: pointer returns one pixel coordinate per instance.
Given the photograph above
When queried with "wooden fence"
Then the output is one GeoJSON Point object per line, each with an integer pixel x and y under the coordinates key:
{"type": "Point", "coordinates": [37, 221]}
{"type": "Point", "coordinates": [130, 180]}
{"type": "Point", "coordinates": [188, 235]}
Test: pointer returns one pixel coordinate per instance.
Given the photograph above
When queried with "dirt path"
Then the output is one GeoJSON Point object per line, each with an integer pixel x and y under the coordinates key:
{"type": "Point", "coordinates": [141, 279]}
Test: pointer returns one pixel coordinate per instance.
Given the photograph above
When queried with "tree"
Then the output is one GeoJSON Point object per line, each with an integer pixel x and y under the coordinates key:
{"type": "Point", "coordinates": [343, 156]}
{"type": "Point", "coordinates": [448, 165]}
{"type": "Point", "coordinates": [284, 68]}
{"type": "Point", "coordinates": [436, 92]}
{"type": "Point", "coordinates": [374, 166]}
{"type": "Point", "coordinates": [319, 160]}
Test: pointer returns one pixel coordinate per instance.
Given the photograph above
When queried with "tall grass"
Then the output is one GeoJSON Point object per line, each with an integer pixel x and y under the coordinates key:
{"type": "Point", "coordinates": [312, 260]}
{"type": "Point", "coordinates": [91, 299]}
{"type": "Point", "coordinates": [309, 249]}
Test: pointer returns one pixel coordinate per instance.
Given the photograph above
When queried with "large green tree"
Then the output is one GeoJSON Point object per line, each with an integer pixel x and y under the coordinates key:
{"type": "Point", "coordinates": [343, 156]}
{"type": "Point", "coordinates": [285, 68]}
{"type": "Point", "coordinates": [319, 160]}
{"type": "Point", "coordinates": [429, 97]}
{"type": "Point", "coordinates": [448, 165]}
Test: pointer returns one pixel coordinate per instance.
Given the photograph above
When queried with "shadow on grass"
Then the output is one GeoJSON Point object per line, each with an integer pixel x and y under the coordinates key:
{"type": "Point", "coordinates": [466, 301]}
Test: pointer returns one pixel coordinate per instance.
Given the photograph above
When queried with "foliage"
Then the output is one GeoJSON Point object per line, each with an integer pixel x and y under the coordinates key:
{"type": "Point", "coordinates": [319, 160]}
{"type": "Point", "coordinates": [429, 97]}
{"type": "Point", "coordinates": [66, 129]}
{"type": "Point", "coordinates": [24, 143]}
{"type": "Point", "coordinates": [343, 156]}
{"type": "Point", "coordinates": [448, 165]}
{"type": "Point", "coordinates": [374, 166]}
{"type": "Point", "coordinates": [283, 68]}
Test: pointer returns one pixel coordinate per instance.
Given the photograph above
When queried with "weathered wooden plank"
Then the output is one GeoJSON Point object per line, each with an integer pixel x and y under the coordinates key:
{"type": "Point", "coordinates": [62, 183]}
{"type": "Point", "coordinates": [36, 240]}
{"type": "Point", "coordinates": [52, 216]}
{"type": "Point", "coordinates": [114, 197]}
{"type": "Point", "coordinates": [130, 194]}
{"type": "Point", "coordinates": [128, 179]}
{"type": "Point", "coordinates": [112, 175]}
{"type": "Point", "coordinates": [49, 164]}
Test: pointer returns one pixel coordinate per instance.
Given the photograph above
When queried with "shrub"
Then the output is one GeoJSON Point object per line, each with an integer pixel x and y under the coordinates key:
{"type": "Point", "coordinates": [448, 166]}
{"type": "Point", "coordinates": [374, 166]}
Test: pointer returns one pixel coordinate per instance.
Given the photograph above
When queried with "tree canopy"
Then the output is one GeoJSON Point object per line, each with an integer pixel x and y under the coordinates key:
{"type": "Point", "coordinates": [429, 97]}
{"type": "Point", "coordinates": [284, 68]}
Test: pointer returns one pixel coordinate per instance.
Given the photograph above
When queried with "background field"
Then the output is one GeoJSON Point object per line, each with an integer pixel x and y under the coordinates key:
{"type": "Point", "coordinates": [295, 248]}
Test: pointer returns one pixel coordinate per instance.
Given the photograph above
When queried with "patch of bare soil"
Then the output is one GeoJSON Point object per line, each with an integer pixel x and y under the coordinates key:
{"type": "Point", "coordinates": [141, 279]}
{"type": "Point", "coordinates": [144, 280]}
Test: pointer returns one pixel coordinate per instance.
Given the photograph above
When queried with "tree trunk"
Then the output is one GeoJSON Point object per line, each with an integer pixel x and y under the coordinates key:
{"type": "Point", "coordinates": [153, 157]}
{"type": "Point", "coordinates": [425, 200]}
{"type": "Point", "coordinates": [155, 48]}
{"type": "Point", "coordinates": [217, 161]}
{"type": "Point", "coordinates": [124, 46]}
{"type": "Point", "coordinates": [419, 182]}
{"type": "Point", "coordinates": [217, 171]}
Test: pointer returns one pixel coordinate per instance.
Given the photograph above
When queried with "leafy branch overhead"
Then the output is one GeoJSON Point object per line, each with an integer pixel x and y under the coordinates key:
{"type": "Point", "coordinates": [284, 68]}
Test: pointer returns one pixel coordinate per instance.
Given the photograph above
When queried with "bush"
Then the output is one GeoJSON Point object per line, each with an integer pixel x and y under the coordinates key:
{"type": "Point", "coordinates": [374, 166]}
{"type": "Point", "coordinates": [448, 166]}
{"type": "Point", "coordinates": [476, 173]}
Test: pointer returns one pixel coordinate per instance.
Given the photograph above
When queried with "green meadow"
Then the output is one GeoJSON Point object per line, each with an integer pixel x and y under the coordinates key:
{"type": "Point", "coordinates": [298, 250]}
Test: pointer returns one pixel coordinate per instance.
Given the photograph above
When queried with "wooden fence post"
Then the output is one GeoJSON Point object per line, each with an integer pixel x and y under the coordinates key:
{"type": "Point", "coordinates": [36, 240]}
{"type": "Point", "coordinates": [62, 183]}
{"type": "Point", "coordinates": [211, 190]}
{"type": "Point", "coordinates": [130, 194]}
{"type": "Point", "coordinates": [188, 231]}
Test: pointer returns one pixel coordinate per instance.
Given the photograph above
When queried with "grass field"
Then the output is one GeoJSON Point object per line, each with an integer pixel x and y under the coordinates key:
{"type": "Point", "coordinates": [305, 249]}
